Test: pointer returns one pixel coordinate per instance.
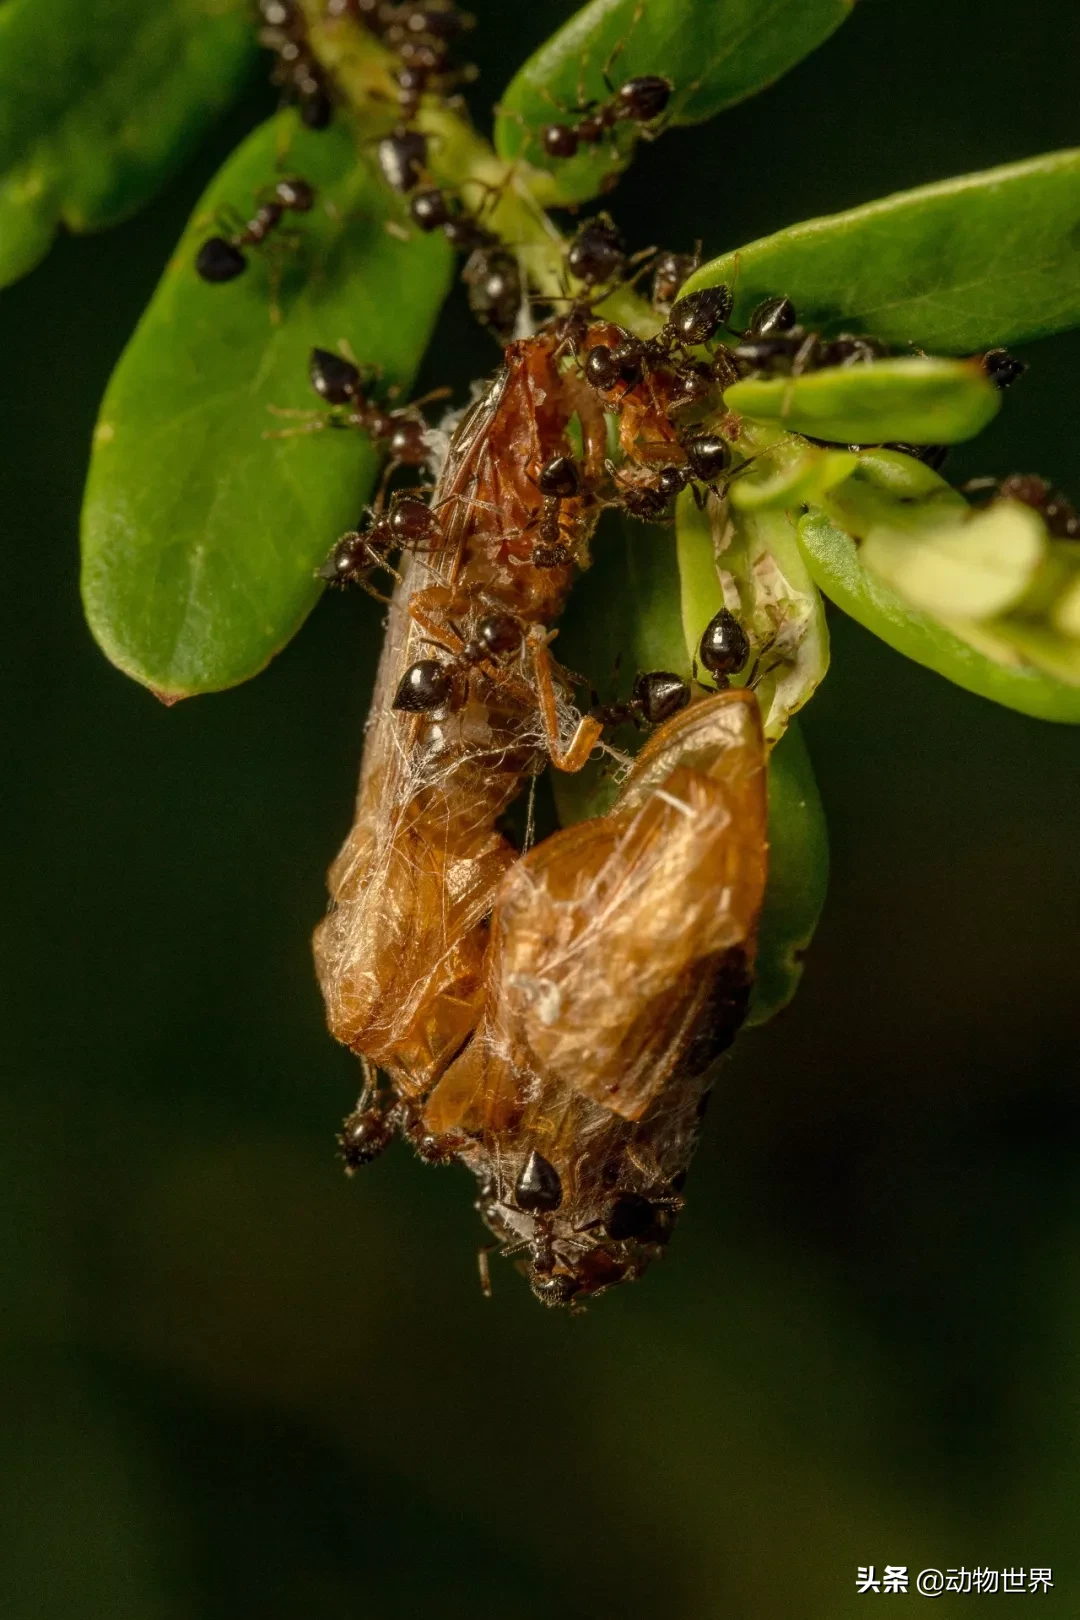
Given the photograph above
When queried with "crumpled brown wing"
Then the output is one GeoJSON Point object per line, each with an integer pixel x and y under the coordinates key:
{"type": "Point", "coordinates": [612, 940]}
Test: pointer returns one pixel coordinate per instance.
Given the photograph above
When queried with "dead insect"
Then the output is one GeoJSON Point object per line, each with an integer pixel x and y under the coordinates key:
{"type": "Point", "coordinates": [400, 954]}
{"type": "Point", "coordinates": [221, 258]}
{"type": "Point", "coordinates": [619, 969]}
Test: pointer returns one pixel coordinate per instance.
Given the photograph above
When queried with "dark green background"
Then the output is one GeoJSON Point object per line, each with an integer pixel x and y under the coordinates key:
{"type": "Point", "coordinates": [237, 1385]}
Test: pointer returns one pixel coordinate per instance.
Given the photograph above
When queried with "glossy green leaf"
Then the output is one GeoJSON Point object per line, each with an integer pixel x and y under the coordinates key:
{"type": "Point", "coordinates": [891, 488]}
{"type": "Point", "coordinates": [798, 876]}
{"type": "Point", "coordinates": [984, 259]}
{"type": "Point", "coordinates": [833, 559]}
{"type": "Point", "coordinates": [714, 52]}
{"type": "Point", "coordinates": [974, 569]}
{"type": "Point", "coordinates": [100, 103]}
{"type": "Point", "coordinates": [919, 401]}
{"type": "Point", "coordinates": [200, 534]}
{"type": "Point", "coordinates": [750, 563]}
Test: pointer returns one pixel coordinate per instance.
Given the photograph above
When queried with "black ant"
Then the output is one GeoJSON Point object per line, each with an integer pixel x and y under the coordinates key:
{"type": "Point", "coordinates": [639, 101]}
{"type": "Point", "coordinates": [695, 319]}
{"type": "Point", "coordinates": [670, 272]}
{"type": "Point", "coordinates": [433, 683]}
{"type": "Point", "coordinates": [221, 257]}
{"type": "Point", "coordinates": [1002, 368]}
{"type": "Point", "coordinates": [597, 253]}
{"type": "Point", "coordinates": [409, 525]}
{"type": "Point", "coordinates": [402, 158]}
{"type": "Point", "coordinates": [366, 1132]}
{"type": "Point", "coordinates": [775, 343]}
{"type": "Point", "coordinates": [708, 457]}
{"type": "Point", "coordinates": [297, 70]}
{"type": "Point", "coordinates": [724, 648]}
{"type": "Point", "coordinates": [492, 278]}
{"type": "Point", "coordinates": [1058, 513]}
{"type": "Point", "coordinates": [558, 480]}
{"type": "Point", "coordinates": [656, 696]}
{"type": "Point", "coordinates": [343, 386]}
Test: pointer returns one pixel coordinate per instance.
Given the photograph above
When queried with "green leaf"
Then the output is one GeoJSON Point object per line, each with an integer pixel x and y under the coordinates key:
{"type": "Point", "coordinates": [798, 876]}
{"type": "Point", "coordinates": [985, 259]}
{"type": "Point", "coordinates": [750, 563]}
{"type": "Point", "coordinates": [100, 103]}
{"type": "Point", "coordinates": [833, 559]}
{"type": "Point", "coordinates": [919, 401]}
{"type": "Point", "coordinates": [974, 569]}
{"type": "Point", "coordinates": [623, 617]}
{"type": "Point", "coordinates": [714, 52]}
{"type": "Point", "coordinates": [201, 535]}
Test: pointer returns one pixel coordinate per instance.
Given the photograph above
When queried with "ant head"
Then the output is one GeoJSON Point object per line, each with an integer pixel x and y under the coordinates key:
{"type": "Point", "coordinates": [644, 98]}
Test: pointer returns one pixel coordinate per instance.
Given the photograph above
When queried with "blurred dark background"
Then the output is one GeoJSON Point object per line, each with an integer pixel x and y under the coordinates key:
{"type": "Point", "coordinates": [238, 1385]}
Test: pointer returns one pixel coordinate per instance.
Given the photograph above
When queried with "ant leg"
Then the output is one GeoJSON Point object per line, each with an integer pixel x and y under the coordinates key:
{"type": "Point", "coordinates": [619, 46]}
{"type": "Point", "coordinates": [484, 1265]}
{"type": "Point", "coordinates": [588, 731]}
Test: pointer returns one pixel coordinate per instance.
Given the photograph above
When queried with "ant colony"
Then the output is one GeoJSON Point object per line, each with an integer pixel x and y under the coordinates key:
{"type": "Point", "coordinates": [548, 1013]}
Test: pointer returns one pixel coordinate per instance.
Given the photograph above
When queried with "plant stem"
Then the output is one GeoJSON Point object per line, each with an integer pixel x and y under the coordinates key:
{"type": "Point", "coordinates": [511, 195]}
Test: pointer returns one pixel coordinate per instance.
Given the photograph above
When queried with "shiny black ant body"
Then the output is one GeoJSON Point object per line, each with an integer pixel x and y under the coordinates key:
{"type": "Point", "coordinates": [724, 648]}
{"type": "Point", "coordinates": [409, 525]}
{"type": "Point", "coordinates": [656, 696]}
{"type": "Point", "coordinates": [221, 258]}
{"type": "Point", "coordinates": [493, 282]}
{"type": "Point", "coordinates": [775, 344]}
{"type": "Point", "coordinates": [558, 480]}
{"type": "Point", "coordinates": [284, 32]}
{"type": "Point", "coordinates": [343, 386]}
{"type": "Point", "coordinates": [432, 683]}
{"type": "Point", "coordinates": [670, 272]}
{"type": "Point", "coordinates": [708, 457]}
{"type": "Point", "coordinates": [694, 320]}
{"type": "Point", "coordinates": [639, 101]}
{"type": "Point", "coordinates": [597, 253]}
{"type": "Point", "coordinates": [1002, 368]}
